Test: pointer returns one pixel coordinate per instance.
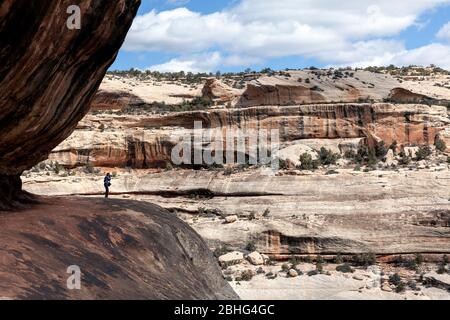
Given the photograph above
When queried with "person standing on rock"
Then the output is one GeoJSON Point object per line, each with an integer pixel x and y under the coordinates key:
{"type": "Point", "coordinates": [107, 183]}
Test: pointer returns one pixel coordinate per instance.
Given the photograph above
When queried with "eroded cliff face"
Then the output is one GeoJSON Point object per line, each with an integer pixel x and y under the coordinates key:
{"type": "Point", "coordinates": [136, 251]}
{"type": "Point", "coordinates": [147, 141]}
{"type": "Point", "coordinates": [321, 86]}
{"type": "Point", "coordinates": [49, 74]}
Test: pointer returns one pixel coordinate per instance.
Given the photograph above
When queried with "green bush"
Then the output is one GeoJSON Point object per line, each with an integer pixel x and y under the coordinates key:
{"type": "Point", "coordinates": [319, 267]}
{"type": "Point", "coordinates": [441, 269]}
{"type": "Point", "coordinates": [247, 275]}
{"type": "Point", "coordinates": [365, 259]}
{"type": "Point", "coordinates": [393, 146]}
{"type": "Point", "coordinates": [285, 267]}
{"type": "Point", "coordinates": [294, 262]}
{"type": "Point", "coordinates": [365, 155]}
{"type": "Point", "coordinates": [440, 145]}
{"type": "Point", "coordinates": [307, 163]}
{"type": "Point", "coordinates": [338, 259]}
{"type": "Point", "coordinates": [251, 246]}
{"type": "Point", "coordinates": [220, 251]}
{"type": "Point", "coordinates": [404, 159]}
{"type": "Point", "coordinates": [418, 259]}
{"type": "Point", "coordinates": [345, 268]}
{"type": "Point", "coordinates": [399, 288]}
{"type": "Point", "coordinates": [423, 153]}
{"type": "Point", "coordinates": [380, 149]}
{"type": "Point", "coordinates": [350, 154]}
{"type": "Point", "coordinates": [395, 279]}
{"type": "Point", "coordinates": [328, 157]}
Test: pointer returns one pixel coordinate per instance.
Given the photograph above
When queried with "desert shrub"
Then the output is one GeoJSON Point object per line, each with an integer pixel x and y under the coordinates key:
{"type": "Point", "coordinates": [221, 250]}
{"type": "Point", "coordinates": [423, 153]}
{"type": "Point", "coordinates": [247, 275]}
{"type": "Point", "coordinates": [319, 259]}
{"type": "Point", "coordinates": [401, 287]}
{"type": "Point", "coordinates": [350, 154]}
{"type": "Point", "coordinates": [327, 157]}
{"type": "Point", "coordinates": [330, 172]}
{"type": "Point", "coordinates": [285, 267]}
{"type": "Point", "coordinates": [418, 259]}
{"type": "Point", "coordinates": [413, 286]}
{"type": "Point", "coordinates": [282, 164]}
{"type": "Point", "coordinates": [365, 155]}
{"type": "Point", "coordinates": [393, 146]}
{"type": "Point", "coordinates": [294, 262]}
{"type": "Point", "coordinates": [271, 276]}
{"type": "Point", "coordinates": [307, 163]}
{"type": "Point", "coordinates": [445, 259]}
{"type": "Point", "coordinates": [251, 246]}
{"type": "Point", "coordinates": [404, 159]}
{"type": "Point", "coordinates": [89, 168]}
{"type": "Point", "coordinates": [229, 278]}
{"type": "Point", "coordinates": [395, 279]}
{"type": "Point", "coordinates": [338, 259]}
{"type": "Point", "coordinates": [380, 149]}
{"type": "Point", "coordinates": [319, 267]}
{"type": "Point", "coordinates": [345, 268]}
{"type": "Point", "coordinates": [57, 168]}
{"type": "Point", "coordinates": [266, 213]}
{"type": "Point", "coordinates": [365, 259]}
{"type": "Point", "coordinates": [312, 273]}
{"type": "Point", "coordinates": [440, 145]}
{"type": "Point", "coordinates": [441, 269]}
{"type": "Point", "coordinates": [260, 271]}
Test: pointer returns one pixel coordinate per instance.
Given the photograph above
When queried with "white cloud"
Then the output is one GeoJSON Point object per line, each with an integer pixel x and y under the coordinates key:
{"type": "Point", "coordinates": [434, 53]}
{"type": "Point", "coordinates": [195, 63]}
{"type": "Point", "coordinates": [206, 62]}
{"type": "Point", "coordinates": [332, 31]}
{"type": "Point", "coordinates": [444, 32]}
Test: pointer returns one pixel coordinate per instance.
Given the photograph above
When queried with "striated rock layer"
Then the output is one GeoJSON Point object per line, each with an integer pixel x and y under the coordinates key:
{"type": "Point", "coordinates": [385, 212]}
{"type": "Point", "coordinates": [135, 251]}
{"type": "Point", "coordinates": [143, 142]}
{"type": "Point", "coordinates": [49, 73]}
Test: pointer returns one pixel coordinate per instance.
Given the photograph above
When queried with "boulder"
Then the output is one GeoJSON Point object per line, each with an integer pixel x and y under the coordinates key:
{"type": "Point", "coordinates": [386, 287]}
{"type": "Point", "coordinates": [410, 151]}
{"type": "Point", "coordinates": [293, 273]}
{"type": "Point", "coordinates": [124, 250]}
{"type": "Point", "coordinates": [231, 258]}
{"type": "Point", "coordinates": [255, 258]}
{"type": "Point", "coordinates": [231, 219]}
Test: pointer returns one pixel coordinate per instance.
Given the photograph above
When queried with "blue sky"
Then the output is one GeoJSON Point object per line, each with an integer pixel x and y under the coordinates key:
{"type": "Point", "coordinates": [232, 35]}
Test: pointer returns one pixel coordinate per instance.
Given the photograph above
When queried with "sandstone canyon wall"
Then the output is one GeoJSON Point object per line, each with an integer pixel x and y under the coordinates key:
{"type": "Point", "coordinates": [147, 141]}
{"type": "Point", "coordinates": [49, 74]}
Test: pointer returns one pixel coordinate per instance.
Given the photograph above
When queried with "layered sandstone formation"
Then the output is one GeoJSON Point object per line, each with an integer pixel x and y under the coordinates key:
{"type": "Point", "coordinates": [49, 74]}
{"type": "Point", "coordinates": [220, 93]}
{"type": "Point", "coordinates": [350, 212]}
{"type": "Point", "coordinates": [318, 86]}
{"type": "Point", "coordinates": [135, 251]}
{"type": "Point", "coordinates": [147, 141]}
